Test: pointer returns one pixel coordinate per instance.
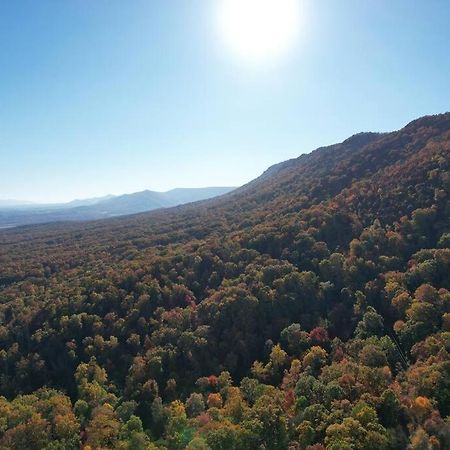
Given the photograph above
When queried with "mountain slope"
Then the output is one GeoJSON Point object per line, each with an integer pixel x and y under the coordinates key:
{"type": "Point", "coordinates": [307, 309]}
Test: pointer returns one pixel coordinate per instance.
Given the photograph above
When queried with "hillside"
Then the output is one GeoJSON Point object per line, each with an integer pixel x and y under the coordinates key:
{"type": "Point", "coordinates": [309, 308]}
{"type": "Point", "coordinates": [103, 207]}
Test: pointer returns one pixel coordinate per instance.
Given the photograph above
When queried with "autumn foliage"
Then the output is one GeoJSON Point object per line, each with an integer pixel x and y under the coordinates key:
{"type": "Point", "coordinates": [309, 309]}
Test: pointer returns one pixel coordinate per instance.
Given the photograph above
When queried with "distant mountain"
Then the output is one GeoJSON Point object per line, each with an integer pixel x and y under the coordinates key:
{"type": "Point", "coordinates": [187, 195]}
{"type": "Point", "coordinates": [13, 214]}
{"type": "Point", "coordinates": [24, 204]}
{"type": "Point", "coordinates": [86, 201]}
{"type": "Point", "coordinates": [150, 200]}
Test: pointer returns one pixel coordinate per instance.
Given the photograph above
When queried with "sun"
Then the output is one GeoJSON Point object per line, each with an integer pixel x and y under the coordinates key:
{"type": "Point", "coordinates": [259, 31]}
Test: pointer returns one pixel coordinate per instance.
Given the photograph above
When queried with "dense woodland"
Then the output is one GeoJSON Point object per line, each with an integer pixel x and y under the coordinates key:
{"type": "Point", "coordinates": [309, 309]}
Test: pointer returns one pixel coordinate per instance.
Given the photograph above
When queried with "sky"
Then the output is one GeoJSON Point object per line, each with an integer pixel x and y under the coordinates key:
{"type": "Point", "coordinates": [109, 96]}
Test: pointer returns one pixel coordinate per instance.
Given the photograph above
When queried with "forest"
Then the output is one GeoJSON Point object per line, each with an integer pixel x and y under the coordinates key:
{"type": "Point", "coordinates": [307, 310]}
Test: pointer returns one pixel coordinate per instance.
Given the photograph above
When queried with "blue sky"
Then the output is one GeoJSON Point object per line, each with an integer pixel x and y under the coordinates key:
{"type": "Point", "coordinates": [113, 96]}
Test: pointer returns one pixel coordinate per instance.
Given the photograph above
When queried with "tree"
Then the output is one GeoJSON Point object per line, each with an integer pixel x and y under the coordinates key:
{"type": "Point", "coordinates": [315, 358]}
{"type": "Point", "coordinates": [195, 405]}
{"type": "Point", "coordinates": [103, 429]}
{"type": "Point", "coordinates": [372, 324]}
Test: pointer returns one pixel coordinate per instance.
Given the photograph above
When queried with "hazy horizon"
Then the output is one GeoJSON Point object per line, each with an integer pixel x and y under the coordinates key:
{"type": "Point", "coordinates": [88, 111]}
{"type": "Point", "coordinates": [26, 202]}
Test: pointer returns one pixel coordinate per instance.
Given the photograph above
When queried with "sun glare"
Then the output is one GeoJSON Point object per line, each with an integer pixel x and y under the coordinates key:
{"type": "Point", "coordinates": [259, 31]}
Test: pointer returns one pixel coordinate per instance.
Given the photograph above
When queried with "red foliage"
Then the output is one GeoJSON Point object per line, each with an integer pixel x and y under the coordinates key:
{"type": "Point", "coordinates": [319, 336]}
